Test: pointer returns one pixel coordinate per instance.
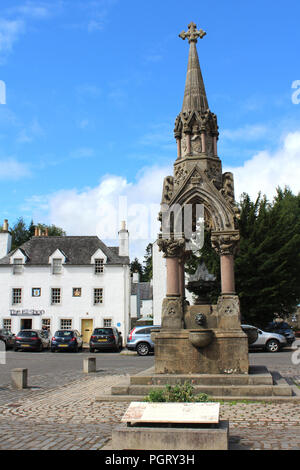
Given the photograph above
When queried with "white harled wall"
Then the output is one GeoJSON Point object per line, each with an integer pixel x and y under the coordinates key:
{"type": "Point", "coordinates": [115, 282]}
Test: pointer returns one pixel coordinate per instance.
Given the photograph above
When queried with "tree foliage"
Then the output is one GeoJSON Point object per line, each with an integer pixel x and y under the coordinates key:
{"type": "Point", "coordinates": [21, 233]}
{"type": "Point", "coordinates": [267, 265]}
{"type": "Point", "coordinates": [145, 269]}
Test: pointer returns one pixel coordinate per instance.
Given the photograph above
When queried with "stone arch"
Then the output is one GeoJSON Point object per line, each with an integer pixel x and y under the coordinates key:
{"type": "Point", "coordinates": [217, 210]}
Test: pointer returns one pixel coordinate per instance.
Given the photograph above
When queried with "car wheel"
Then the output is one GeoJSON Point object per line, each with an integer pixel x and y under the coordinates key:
{"type": "Point", "coordinates": [16, 350]}
{"type": "Point", "coordinates": [272, 345]}
{"type": "Point", "coordinates": [143, 349]}
{"type": "Point", "coordinates": [53, 350]}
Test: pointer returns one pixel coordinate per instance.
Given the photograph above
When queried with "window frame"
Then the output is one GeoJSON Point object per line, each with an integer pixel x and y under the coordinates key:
{"type": "Point", "coordinates": [15, 294]}
{"type": "Point", "coordinates": [94, 295]}
{"type": "Point", "coordinates": [52, 295]}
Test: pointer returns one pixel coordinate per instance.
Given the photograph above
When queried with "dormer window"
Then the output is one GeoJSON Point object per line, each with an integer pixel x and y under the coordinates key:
{"type": "Point", "coordinates": [18, 266]}
{"type": "Point", "coordinates": [56, 266]}
{"type": "Point", "coordinates": [99, 265]}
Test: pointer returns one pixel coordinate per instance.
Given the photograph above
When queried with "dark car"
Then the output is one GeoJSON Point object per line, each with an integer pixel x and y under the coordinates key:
{"type": "Point", "coordinates": [67, 340]}
{"type": "Point", "coordinates": [106, 338]}
{"type": "Point", "coordinates": [282, 328]}
{"type": "Point", "coordinates": [35, 340]}
{"type": "Point", "coordinates": [7, 337]}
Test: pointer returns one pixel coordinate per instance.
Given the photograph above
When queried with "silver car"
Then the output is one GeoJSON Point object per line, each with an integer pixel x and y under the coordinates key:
{"type": "Point", "coordinates": [271, 342]}
{"type": "Point", "coordinates": [139, 339]}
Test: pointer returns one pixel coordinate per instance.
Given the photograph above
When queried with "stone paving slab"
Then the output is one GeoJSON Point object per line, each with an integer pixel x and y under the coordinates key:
{"type": "Point", "coordinates": [69, 417]}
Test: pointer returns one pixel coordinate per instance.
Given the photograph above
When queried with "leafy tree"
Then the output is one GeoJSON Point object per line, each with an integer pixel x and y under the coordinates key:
{"type": "Point", "coordinates": [267, 265]}
{"type": "Point", "coordinates": [136, 267]}
{"type": "Point", "coordinates": [21, 233]}
{"type": "Point", "coordinates": [147, 269]}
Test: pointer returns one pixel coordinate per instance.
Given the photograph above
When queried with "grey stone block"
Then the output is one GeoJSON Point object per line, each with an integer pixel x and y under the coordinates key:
{"type": "Point", "coordinates": [19, 378]}
{"type": "Point", "coordinates": [171, 438]}
{"type": "Point", "coordinates": [89, 365]}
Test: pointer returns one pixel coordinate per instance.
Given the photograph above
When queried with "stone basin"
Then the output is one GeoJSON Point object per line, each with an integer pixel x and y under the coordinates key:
{"type": "Point", "coordinates": [201, 338]}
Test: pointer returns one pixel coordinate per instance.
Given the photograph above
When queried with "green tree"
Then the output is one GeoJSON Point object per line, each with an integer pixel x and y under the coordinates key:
{"type": "Point", "coordinates": [136, 267]}
{"type": "Point", "coordinates": [144, 269]}
{"type": "Point", "coordinates": [147, 269]}
{"type": "Point", "coordinates": [267, 265]}
{"type": "Point", "coordinates": [21, 233]}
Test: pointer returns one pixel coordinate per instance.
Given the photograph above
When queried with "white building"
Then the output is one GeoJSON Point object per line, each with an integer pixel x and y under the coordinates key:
{"type": "Point", "coordinates": [64, 282]}
{"type": "Point", "coordinates": [141, 299]}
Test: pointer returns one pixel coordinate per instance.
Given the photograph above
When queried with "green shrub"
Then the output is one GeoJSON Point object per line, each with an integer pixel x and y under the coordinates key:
{"type": "Point", "coordinates": [176, 394]}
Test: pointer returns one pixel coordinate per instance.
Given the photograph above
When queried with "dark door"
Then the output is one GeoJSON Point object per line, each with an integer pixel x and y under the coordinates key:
{"type": "Point", "coordinates": [26, 324]}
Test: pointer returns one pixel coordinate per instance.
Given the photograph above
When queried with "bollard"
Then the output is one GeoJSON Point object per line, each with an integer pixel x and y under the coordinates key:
{"type": "Point", "coordinates": [19, 378]}
{"type": "Point", "coordinates": [89, 365]}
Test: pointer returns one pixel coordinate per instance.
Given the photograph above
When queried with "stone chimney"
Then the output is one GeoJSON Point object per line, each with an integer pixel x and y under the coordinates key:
{"type": "Point", "coordinates": [5, 239]}
{"type": "Point", "coordinates": [123, 240]}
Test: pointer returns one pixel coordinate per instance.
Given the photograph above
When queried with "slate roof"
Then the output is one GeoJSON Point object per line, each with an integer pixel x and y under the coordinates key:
{"type": "Point", "coordinates": [146, 290]}
{"type": "Point", "coordinates": [78, 250]}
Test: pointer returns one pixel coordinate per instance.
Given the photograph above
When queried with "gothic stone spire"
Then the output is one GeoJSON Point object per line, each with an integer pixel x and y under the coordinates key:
{"type": "Point", "coordinates": [196, 127]}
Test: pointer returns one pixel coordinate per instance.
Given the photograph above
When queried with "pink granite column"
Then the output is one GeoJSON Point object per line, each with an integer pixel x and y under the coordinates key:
{"type": "Point", "coordinates": [178, 140]}
{"type": "Point", "coordinates": [215, 144]}
{"type": "Point", "coordinates": [189, 148]}
{"type": "Point", "coordinates": [181, 278]}
{"type": "Point", "coordinates": [203, 142]}
{"type": "Point", "coordinates": [173, 288]}
{"type": "Point", "coordinates": [227, 274]}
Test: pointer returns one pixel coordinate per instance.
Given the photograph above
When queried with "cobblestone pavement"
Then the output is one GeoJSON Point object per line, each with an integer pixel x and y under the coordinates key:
{"type": "Point", "coordinates": [69, 418]}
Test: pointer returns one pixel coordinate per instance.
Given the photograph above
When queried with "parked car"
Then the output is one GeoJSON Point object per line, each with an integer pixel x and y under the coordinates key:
{"type": "Point", "coordinates": [7, 337]}
{"type": "Point", "coordinates": [67, 340]}
{"type": "Point", "coordinates": [106, 338]}
{"type": "Point", "coordinates": [271, 342]}
{"type": "Point", "coordinates": [139, 339]}
{"type": "Point", "coordinates": [282, 328]}
{"type": "Point", "coordinates": [31, 340]}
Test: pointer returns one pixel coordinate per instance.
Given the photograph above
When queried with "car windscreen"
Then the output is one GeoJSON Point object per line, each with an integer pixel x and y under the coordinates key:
{"type": "Point", "coordinates": [27, 334]}
{"type": "Point", "coordinates": [64, 334]}
{"type": "Point", "coordinates": [103, 331]}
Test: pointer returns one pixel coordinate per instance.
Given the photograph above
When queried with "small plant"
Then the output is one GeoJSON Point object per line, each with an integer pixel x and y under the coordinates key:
{"type": "Point", "coordinates": [176, 394]}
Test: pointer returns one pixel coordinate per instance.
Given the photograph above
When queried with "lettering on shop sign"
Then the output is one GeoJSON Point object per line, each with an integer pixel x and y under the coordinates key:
{"type": "Point", "coordinates": [25, 312]}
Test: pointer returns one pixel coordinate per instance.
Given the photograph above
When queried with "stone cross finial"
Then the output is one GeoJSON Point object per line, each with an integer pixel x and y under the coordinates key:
{"type": "Point", "coordinates": [193, 33]}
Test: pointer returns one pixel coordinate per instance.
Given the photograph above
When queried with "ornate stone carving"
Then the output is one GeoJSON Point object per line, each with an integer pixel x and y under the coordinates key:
{"type": "Point", "coordinates": [196, 145]}
{"type": "Point", "coordinates": [225, 243]}
{"type": "Point", "coordinates": [172, 313]}
{"type": "Point", "coordinates": [180, 174]}
{"type": "Point", "coordinates": [193, 33]}
{"type": "Point", "coordinates": [200, 319]}
{"type": "Point", "coordinates": [172, 248]}
{"type": "Point", "coordinates": [168, 187]}
{"type": "Point", "coordinates": [228, 308]}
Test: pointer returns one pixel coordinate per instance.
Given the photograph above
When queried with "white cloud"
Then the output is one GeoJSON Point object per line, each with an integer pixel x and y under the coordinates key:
{"type": "Point", "coordinates": [32, 9]}
{"type": "Point", "coordinates": [10, 30]}
{"type": "Point", "coordinates": [99, 210]}
{"type": "Point", "coordinates": [11, 169]}
{"type": "Point", "coordinates": [268, 170]}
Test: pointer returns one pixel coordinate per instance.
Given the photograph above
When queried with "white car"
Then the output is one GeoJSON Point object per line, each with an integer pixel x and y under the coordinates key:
{"type": "Point", "coordinates": [271, 342]}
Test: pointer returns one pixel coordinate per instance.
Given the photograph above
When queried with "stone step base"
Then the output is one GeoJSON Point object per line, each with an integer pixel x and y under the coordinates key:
{"type": "Point", "coordinates": [258, 375]}
{"type": "Point", "coordinates": [212, 390]}
{"type": "Point", "coordinates": [257, 399]}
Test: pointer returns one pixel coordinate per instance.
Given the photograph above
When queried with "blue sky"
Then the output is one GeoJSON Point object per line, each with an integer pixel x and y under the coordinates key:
{"type": "Point", "coordinates": [93, 89]}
